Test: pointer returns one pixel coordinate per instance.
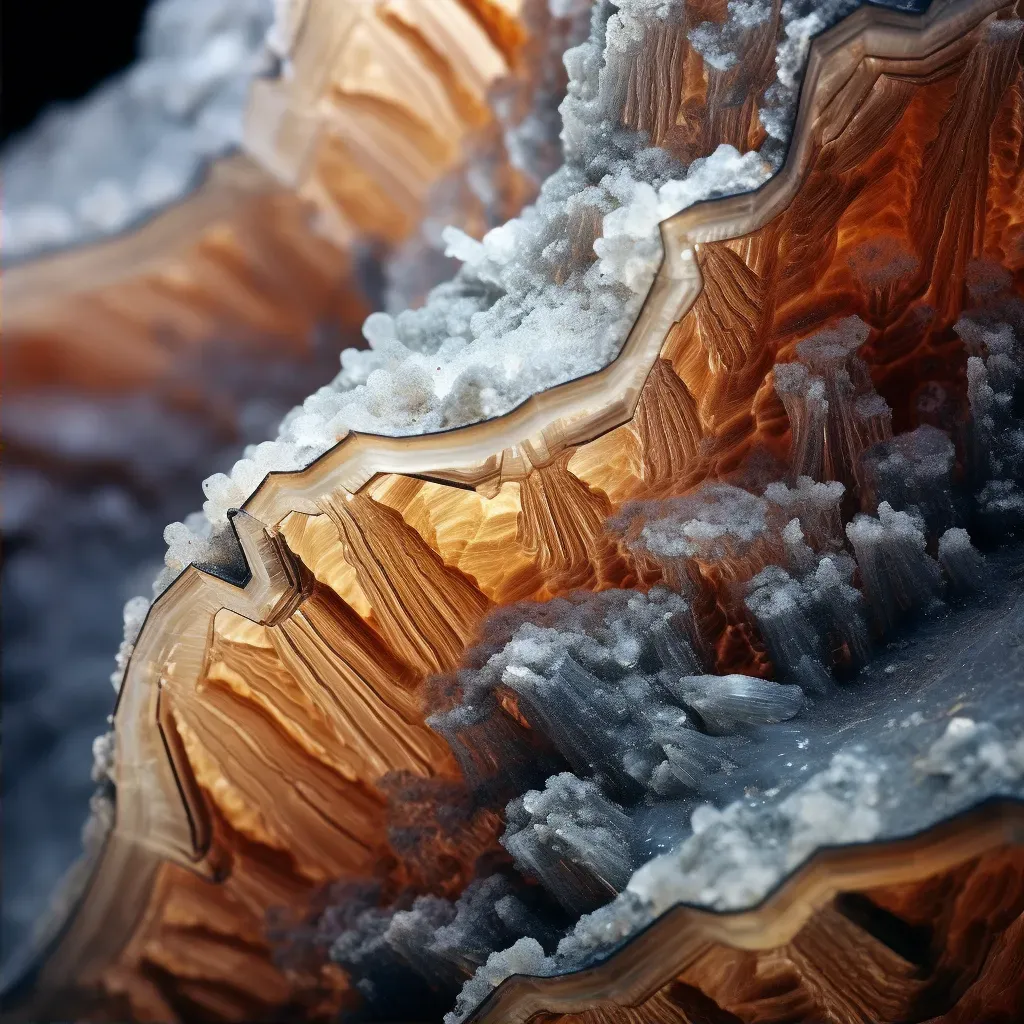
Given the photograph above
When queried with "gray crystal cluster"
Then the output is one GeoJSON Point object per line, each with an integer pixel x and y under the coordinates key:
{"type": "Point", "coordinates": [995, 377]}
{"type": "Point", "coordinates": [639, 778]}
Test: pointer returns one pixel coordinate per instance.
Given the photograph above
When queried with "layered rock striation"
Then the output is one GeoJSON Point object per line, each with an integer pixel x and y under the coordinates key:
{"type": "Point", "coordinates": [438, 709]}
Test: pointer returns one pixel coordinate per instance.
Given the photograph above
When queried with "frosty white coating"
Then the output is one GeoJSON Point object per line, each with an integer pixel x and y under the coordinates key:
{"type": "Point", "coordinates": [140, 140]}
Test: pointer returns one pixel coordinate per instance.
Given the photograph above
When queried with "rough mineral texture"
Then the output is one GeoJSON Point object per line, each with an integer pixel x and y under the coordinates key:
{"type": "Point", "coordinates": [173, 284]}
{"type": "Point", "coordinates": [644, 640]}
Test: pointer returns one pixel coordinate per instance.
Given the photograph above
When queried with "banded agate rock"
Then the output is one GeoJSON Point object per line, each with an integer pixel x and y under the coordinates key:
{"type": "Point", "coordinates": [659, 660]}
{"type": "Point", "coordinates": [186, 251]}
{"type": "Point", "coordinates": [263, 171]}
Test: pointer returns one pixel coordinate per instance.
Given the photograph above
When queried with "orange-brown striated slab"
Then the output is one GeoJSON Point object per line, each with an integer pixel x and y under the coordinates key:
{"type": "Point", "coordinates": [235, 261]}
{"type": "Point", "coordinates": [382, 100]}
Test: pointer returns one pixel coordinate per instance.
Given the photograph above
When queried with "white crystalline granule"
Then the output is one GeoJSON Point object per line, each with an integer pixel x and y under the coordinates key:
{"type": "Point", "coordinates": [802, 21]}
{"type": "Point", "coordinates": [714, 522]}
{"type": "Point", "coordinates": [962, 563]}
{"type": "Point", "coordinates": [103, 757]}
{"type": "Point", "coordinates": [897, 572]}
{"type": "Point", "coordinates": [525, 957]}
{"type": "Point", "coordinates": [571, 838]}
{"type": "Point", "coordinates": [135, 611]}
{"type": "Point", "coordinates": [729, 865]}
{"type": "Point", "coordinates": [970, 756]}
{"type": "Point", "coordinates": [717, 43]}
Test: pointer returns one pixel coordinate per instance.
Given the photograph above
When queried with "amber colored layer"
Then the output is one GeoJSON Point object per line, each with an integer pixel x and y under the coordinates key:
{"type": "Point", "coordinates": [381, 101]}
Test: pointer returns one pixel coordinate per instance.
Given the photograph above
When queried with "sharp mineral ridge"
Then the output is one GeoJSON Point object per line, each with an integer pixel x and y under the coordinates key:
{"type": "Point", "coordinates": [633, 628]}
